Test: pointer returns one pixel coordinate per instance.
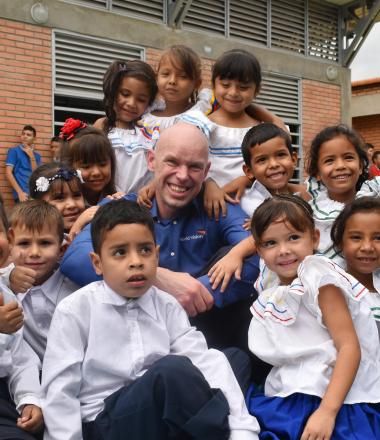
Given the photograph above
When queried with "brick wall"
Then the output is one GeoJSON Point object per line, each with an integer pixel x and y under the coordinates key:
{"type": "Point", "coordinates": [25, 89]}
{"type": "Point", "coordinates": [320, 108]}
{"type": "Point", "coordinates": [369, 128]}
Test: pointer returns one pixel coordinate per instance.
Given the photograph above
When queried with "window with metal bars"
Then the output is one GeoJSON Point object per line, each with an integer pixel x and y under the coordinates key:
{"type": "Point", "coordinates": [79, 65]}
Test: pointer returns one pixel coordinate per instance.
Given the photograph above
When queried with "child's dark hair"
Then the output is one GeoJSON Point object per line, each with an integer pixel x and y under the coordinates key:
{"type": "Point", "coordinates": [329, 133]}
{"type": "Point", "coordinates": [291, 208]}
{"type": "Point", "coordinates": [184, 58]}
{"type": "Point", "coordinates": [56, 139]}
{"type": "Point", "coordinates": [113, 78]}
{"type": "Point", "coordinates": [30, 128]}
{"type": "Point", "coordinates": [261, 133]}
{"type": "Point", "coordinates": [90, 146]}
{"type": "Point", "coordinates": [238, 64]}
{"type": "Point", "coordinates": [362, 204]}
{"type": "Point", "coordinates": [34, 215]}
{"type": "Point", "coordinates": [367, 146]}
{"type": "Point", "coordinates": [56, 174]}
{"type": "Point", "coordinates": [3, 216]}
{"type": "Point", "coordinates": [375, 154]}
{"type": "Point", "coordinates": [115, 213]}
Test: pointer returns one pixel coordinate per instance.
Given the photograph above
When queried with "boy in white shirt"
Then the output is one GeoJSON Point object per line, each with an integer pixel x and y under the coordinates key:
{"type": "Point", "coordinates": [122, 360]}
{"type": "Point", "coordinates": [20, 412]}
{"type": "Point", "coordinates": [36, 236]}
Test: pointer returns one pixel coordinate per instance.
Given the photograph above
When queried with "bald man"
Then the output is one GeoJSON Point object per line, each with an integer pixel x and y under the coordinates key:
{"type": "Point", "coordinates": [188, 240]}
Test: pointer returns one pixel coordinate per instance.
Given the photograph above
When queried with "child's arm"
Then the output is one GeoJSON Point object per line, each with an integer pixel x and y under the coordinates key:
{"type": "Point", "coordinates": [260, 113]}
{"type": "Point", "coordinates": [85, 218]}
{"type": "Point", "coordinates": [11, 316]}
{"type": "Point", "coordinates": [214, 200]}
{"type": "Point", "coordinates": [337, 319]}
{"type": "Point", "coordinates": [146, 194]}
{"type": "Point", "coordinates": [31, 418]}
{"type": "Point", "coordinates": [237, 187]}
{"type": "Point", "coordinates": [22, 196]}
{"type": "Point", "coordinates": [231, 264]}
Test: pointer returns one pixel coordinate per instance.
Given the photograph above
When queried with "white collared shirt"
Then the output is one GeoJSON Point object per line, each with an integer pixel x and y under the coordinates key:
{"type": "Point", "coordinates": [100, 342]}
{"type": "Point", "coordinates": [19, 365]}
{"type": "Point", "coordinates": [39, 304]}
{"type": "Point", "coordinates": [254, 197]}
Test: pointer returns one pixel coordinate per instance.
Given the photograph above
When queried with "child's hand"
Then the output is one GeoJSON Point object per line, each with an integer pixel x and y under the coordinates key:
{"type": "Point", "coordinates": [21, 279]}
{"type": "Point", "coordinates": [214, 200]}
{"type": "Point", "coordinates": [11, 316]}
{"type": "Point", "coordinates": [247, 224]}
{"type": "Point", "coordinates": [320, 425]}
{"type": "Point", "coordinates": [116, 196]}
{"type": "Point", "coordinates": [223, 270]}
{"type": "Point", "coordinates": [146, 194]}
{"type": "Point", "coordinates": [81, 222]}
{"type": "Point", "coordinates": [31, 419]}
{"type": "Point", "coordinates": [237, 187]}
{"type": "Point", "coordinates": [22, 196]}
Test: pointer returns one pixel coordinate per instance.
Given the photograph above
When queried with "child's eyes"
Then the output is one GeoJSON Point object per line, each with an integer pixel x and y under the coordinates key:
{"type": "Point", "coordinates": [146, 250]}
{"type": "Point", "coordinates": [267, 244]}
{"type": "Point", "coordinates": [261, 159]}
{"type": "Point", "coordinates": [294, 237]}
{"type": "Point", "coordinates": [23, 243]}
{"type": "Point", "coordinates": [119, 252]}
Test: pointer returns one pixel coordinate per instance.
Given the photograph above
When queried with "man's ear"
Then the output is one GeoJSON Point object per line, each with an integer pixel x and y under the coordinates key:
{"type": "Point", "coordinates": [150, 160]}
{"type": "Point", "coordinates": [97, 263]}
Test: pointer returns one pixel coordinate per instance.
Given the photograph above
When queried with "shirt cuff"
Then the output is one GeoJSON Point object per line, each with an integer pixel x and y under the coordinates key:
{"type": "Point", "coordinates": [28, 400]}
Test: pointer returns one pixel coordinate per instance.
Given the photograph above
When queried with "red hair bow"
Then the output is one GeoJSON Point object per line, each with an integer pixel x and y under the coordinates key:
{"type": "Point", "coordinates": [70, 128]}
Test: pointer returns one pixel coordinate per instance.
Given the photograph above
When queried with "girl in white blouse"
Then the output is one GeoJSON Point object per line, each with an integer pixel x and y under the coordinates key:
{"type": "Point", "coordinates": [316, 331]}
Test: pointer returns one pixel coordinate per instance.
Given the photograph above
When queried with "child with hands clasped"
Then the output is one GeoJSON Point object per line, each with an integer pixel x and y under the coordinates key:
{"type": "Point", "coordinates": [36, 236]}
{"type": "Point", "coordinates": [126, 355]}
{"type": "Point", "coordinates": [316, 331]}
{"type": "Point", "coordinates": [356, 236]}
{"type": "Point", "coordinates": [129, 88]}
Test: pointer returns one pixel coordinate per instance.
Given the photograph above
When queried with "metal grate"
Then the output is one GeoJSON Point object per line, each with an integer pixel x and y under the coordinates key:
{"type": "Point", "coordinates": [151, 9]}
{"type": "Point", "coordinates": [207, 15]}
{"type": "Point", "coordinates": [248, 20]}
{"type": "Point", "coordinates": [280, 94]}
{"type": "Point", "coordinates": [288, 25]}
{"type": "Point", "coordinates": [79, 66]}
{"type": "Point", "coordinates": [323, 31]}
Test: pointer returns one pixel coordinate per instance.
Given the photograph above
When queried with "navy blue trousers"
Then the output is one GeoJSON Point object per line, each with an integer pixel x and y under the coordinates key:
{"type": "Point", "coordinates": [172, 400]}
{"type": "Point", "coordinates": [8, 417]}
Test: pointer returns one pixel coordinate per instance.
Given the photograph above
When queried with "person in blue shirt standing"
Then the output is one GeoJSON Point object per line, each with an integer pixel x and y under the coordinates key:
{"type": "Point", "coordinates": [188, 240]}
{"type": "Point", "coordinates": [21, 161]}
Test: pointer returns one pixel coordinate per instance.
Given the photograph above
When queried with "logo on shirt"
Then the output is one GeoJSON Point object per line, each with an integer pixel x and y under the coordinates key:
{"type": "Point", "coordinates": [200, 233]}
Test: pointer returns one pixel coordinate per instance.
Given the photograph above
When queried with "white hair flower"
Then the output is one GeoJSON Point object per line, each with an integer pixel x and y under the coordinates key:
{"type": "Point", "coordinates": [42, 184]}
{"type": "Point", "coordinates": [79, 174]}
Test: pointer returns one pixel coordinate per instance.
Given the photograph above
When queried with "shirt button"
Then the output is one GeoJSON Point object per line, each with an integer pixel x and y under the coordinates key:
{"type": "Point", "coordinates": [172, 254]}
{"type": "Point", "coordinates": [174, 222]}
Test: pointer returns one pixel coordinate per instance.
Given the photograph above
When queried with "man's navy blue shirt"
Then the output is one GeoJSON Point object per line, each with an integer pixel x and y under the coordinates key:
{"type": "Point", "coordinates": [187, 242]}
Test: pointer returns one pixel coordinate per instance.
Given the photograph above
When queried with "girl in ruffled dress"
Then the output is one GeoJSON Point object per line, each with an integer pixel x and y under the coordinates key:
{"type": "Point", "coordinates": [356, 236]}
{"type": "Point", "coordinates": [316, 331]}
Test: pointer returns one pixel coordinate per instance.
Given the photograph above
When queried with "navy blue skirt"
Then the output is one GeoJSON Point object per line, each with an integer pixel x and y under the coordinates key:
{"type": "Point", "coordinates": [284, 418]}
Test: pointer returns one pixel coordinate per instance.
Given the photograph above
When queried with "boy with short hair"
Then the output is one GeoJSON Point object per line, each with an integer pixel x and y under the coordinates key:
{"type": "Point", "coordinates": [36, 236]}
{"type": "Point", "coordinates": [21, 161]}
{"type": "Point", "coordinates": [55, 147]}
{"type": "Point", "coordinates": [122, 360]}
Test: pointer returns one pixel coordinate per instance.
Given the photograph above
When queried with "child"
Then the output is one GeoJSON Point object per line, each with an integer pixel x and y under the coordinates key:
{"type": "Point", "coordinates": [316, 331]}
{"type": "Point", "coordinates": [129, 87]}
{"type": "Point", "coordinates": [21, 161]}
{"type": "Point", "coordinates": [20, 413]}
{"type": "Point", "coordinates": [121, 350]}
{"type": "Point", "coordinates": [374, 169]}
{"type": "Point", "coordinates": [356, 235]}
{"type": "Point", "coordinates": [89, 151]}
{"type": "Point", "coordinates": [36, 235]}
{"type": "Point", "coordinates": [55, 148]}
{"type": "Point", "coordinates": [60, 186]}
{"type": "Point", "coordinates": [336, 167]}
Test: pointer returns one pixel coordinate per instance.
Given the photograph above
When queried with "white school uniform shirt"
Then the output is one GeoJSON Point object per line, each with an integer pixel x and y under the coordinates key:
{"type": "Point", "coordinates": [224, 147]}
{"type": "Point", "coordinates": [160, 123]}
{"type": "Point", "coordinates": [287, 332]}
{"type": "Point", "coordinates": [325, 211]}
{"type": "Point", "coordinates": [39, 304]}
{"type": "Point", "coordinates": [19, 365]}
{"type": "Point", "coordinates": [100, 342]}
{"type": "Point", "coordinates": [373, 299]}
{"type": "Point", "coordinates": [254, 197]}
{"type": "Point", "coordinates": [131, 147]}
